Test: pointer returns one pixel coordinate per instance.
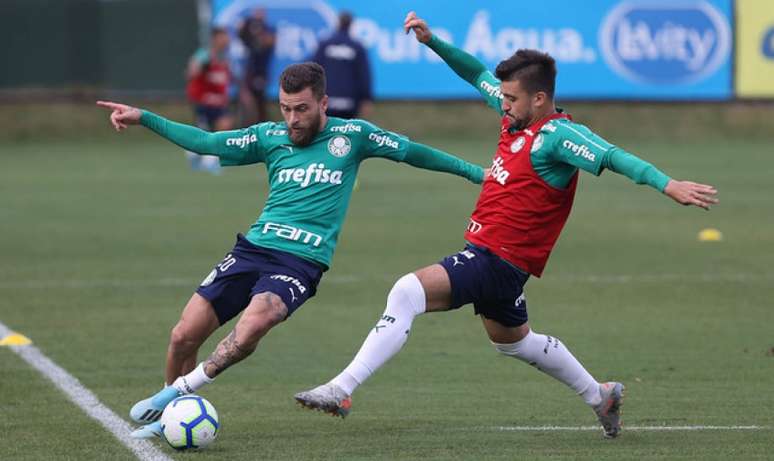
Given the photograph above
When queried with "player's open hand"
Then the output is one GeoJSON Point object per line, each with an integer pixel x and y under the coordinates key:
{"type": "Point", "coordinates": [691, 193]}
{"type": "Point", "coordinates": [419, 26]}
{"type": "Point", "coordinates": [122, 115]}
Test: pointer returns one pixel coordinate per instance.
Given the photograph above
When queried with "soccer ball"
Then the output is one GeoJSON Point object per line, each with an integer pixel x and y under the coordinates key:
{"type": "Point", "coordinates": [189, 421]}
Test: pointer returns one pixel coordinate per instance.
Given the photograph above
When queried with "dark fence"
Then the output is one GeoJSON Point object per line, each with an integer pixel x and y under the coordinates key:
{"type": "Point", "coordinates": [132, 45]}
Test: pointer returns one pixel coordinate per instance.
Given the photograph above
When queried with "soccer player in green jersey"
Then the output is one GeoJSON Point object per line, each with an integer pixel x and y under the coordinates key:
{"type": "Point", "coordinates": [523, 206]}
{"type": "Point", "coordinates": [312, 161]}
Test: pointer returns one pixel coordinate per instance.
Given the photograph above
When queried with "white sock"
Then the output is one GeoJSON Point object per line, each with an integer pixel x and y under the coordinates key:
{"type": "Point", "coordinates": [550, 356]}
{"type": "Point", "coordinates": [405, 301]}
{"type": "Point", "coordinates": [190, 383]}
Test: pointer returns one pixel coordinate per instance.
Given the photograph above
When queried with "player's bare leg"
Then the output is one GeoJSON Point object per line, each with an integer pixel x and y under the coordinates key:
{"type": "Point", "coordinates": [437, 287]}
{"type": "Point", "coordinates": [197, 322]}
{"type": "Point", "coordinates": [425, 290]}
{"type": "Point", "coordinates": [552, 357]}
{"type": "Point", "coordinates": [264, 312]}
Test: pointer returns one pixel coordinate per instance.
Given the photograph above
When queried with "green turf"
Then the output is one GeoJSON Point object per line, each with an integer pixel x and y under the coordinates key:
{"type": "Point", "coordinates": [103, 240]}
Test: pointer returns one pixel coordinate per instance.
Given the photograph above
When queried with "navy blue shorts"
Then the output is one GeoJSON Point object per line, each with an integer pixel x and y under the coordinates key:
{"type": "Point", "coordinates": [208, 116]}
{"type": "Point", "coordinates": [495, 287]}
{"type": "Point", "coordinates": [249, 269]}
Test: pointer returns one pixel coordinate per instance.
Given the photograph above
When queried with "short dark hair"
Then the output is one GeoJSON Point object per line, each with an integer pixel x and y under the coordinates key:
{"type": "Point", "coordinates": [534, 69]}
{"type": "Point", "coordinates": [345, 20]}
{"type": "Point", "coordinates": [217, 30]}
{"type": "Point", "coordinates": [296, 77]}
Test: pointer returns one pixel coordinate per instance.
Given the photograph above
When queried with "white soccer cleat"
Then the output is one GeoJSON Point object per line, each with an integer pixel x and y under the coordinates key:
{"type": "Point", "coordinates": [609, 410]}
{"type": "Point", "coordinates": [329, 398]}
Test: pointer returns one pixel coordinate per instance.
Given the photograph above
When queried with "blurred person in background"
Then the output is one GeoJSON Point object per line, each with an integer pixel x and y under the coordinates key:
{"type": "Point", "coordinates": [208, 77]}
{"type": "Point", "coordinates": [259, 38]}
{"type": "Point", "coordinates": [346, 63]}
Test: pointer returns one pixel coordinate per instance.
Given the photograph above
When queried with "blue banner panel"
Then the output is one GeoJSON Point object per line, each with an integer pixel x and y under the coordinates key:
{"type": "Point", "coordinates": [605, 49]}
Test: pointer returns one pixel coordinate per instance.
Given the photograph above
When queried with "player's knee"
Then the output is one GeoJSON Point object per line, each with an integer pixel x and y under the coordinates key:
{"type": "Point", "coordinates": [181, 337]}
{"type": "Point", "coordinates": [509, 349]}
{"type": "Point", "coordinates": [408, 291]}
{"type": "Point", "coordinates": [513, 342]}
{"type": "Point", "coordinates": [265, 311]}
{"type": "Point", "coordinates": [529, 348]}
{"type": "Point", "coordinates": [398, 290]}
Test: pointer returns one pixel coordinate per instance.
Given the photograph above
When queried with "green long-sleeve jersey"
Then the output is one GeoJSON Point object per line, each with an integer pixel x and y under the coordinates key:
{"type": "Point", "coordinates": [309, 186]}
{"type": "Point", "coordinates": [557, 157]}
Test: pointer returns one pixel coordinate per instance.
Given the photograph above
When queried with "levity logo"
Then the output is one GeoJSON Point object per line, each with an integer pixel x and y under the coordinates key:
{"type": "Point", "coordinates": [657, 42]}
{"type": "Point", "coordinates": [314, 173]}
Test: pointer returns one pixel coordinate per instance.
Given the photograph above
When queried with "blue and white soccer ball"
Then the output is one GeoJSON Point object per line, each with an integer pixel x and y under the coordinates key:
{"type": "Point", "coordinates": [189, 421]}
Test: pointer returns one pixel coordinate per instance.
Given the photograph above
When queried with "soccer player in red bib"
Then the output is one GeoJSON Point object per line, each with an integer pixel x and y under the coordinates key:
{"type": "Point", "coordinates": [524, 204]}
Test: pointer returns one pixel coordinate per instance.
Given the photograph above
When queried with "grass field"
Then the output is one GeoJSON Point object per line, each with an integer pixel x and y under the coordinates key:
{"type": "Point", "coordinates": [102, 240]}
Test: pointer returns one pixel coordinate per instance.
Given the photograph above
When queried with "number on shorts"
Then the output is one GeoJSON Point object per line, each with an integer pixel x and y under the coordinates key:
{"type": "Point", "coordinates": [228, 261]}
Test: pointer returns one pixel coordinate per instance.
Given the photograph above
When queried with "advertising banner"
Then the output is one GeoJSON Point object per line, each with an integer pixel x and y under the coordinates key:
{"type": "Point", "coordinates": [605, 49]}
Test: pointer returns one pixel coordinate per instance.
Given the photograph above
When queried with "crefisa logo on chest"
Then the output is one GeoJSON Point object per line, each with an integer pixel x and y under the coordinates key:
{"type": "Point", "coordinates": [518, 144]}
{"type": "Point", "coordinates": [339, 146]}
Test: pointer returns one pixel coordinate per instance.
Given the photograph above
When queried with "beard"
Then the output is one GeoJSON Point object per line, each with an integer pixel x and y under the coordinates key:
{"type": "Point", "coordinates": [519, 124]}
{"type": "Point", "coordinates": [302, 136]}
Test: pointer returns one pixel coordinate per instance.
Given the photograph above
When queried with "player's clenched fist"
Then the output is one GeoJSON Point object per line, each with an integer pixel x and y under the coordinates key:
{"type": "Point", "coordinates": [122, 115]}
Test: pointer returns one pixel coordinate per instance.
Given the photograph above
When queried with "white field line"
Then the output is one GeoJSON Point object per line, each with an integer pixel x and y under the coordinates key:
{"type": "Point", "coordinates": [86, 400]}
{"type": "Point", "coordinates": [344, 279]}
{"type": "Point", "coordinates": [624, 429]}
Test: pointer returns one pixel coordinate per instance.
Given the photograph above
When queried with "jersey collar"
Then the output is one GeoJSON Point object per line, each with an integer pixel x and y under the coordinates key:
{"type": "Point", "coordinates": [533, 128]}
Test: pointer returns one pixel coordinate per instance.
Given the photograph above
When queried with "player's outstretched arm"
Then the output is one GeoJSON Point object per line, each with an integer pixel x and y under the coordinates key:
{"type": "Point", "coordinates": [462, 63]}
{"type": "Point", "coordinates": [419, 26]}
{"type": "Point", "coordinates": [121, 115]}
{"type": "Point", "coordinates": [642, 172]}
{"type": "Point", "coordinates": [578, 146]}
{"type": "Point", "coordinates": [378, 143]}
{"type": "Point", "coordinates": [188, 137]}
{"type": "Point", "coordinates": [691, 193]}
{"type": "Point", "coordinates": [429, 158]}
